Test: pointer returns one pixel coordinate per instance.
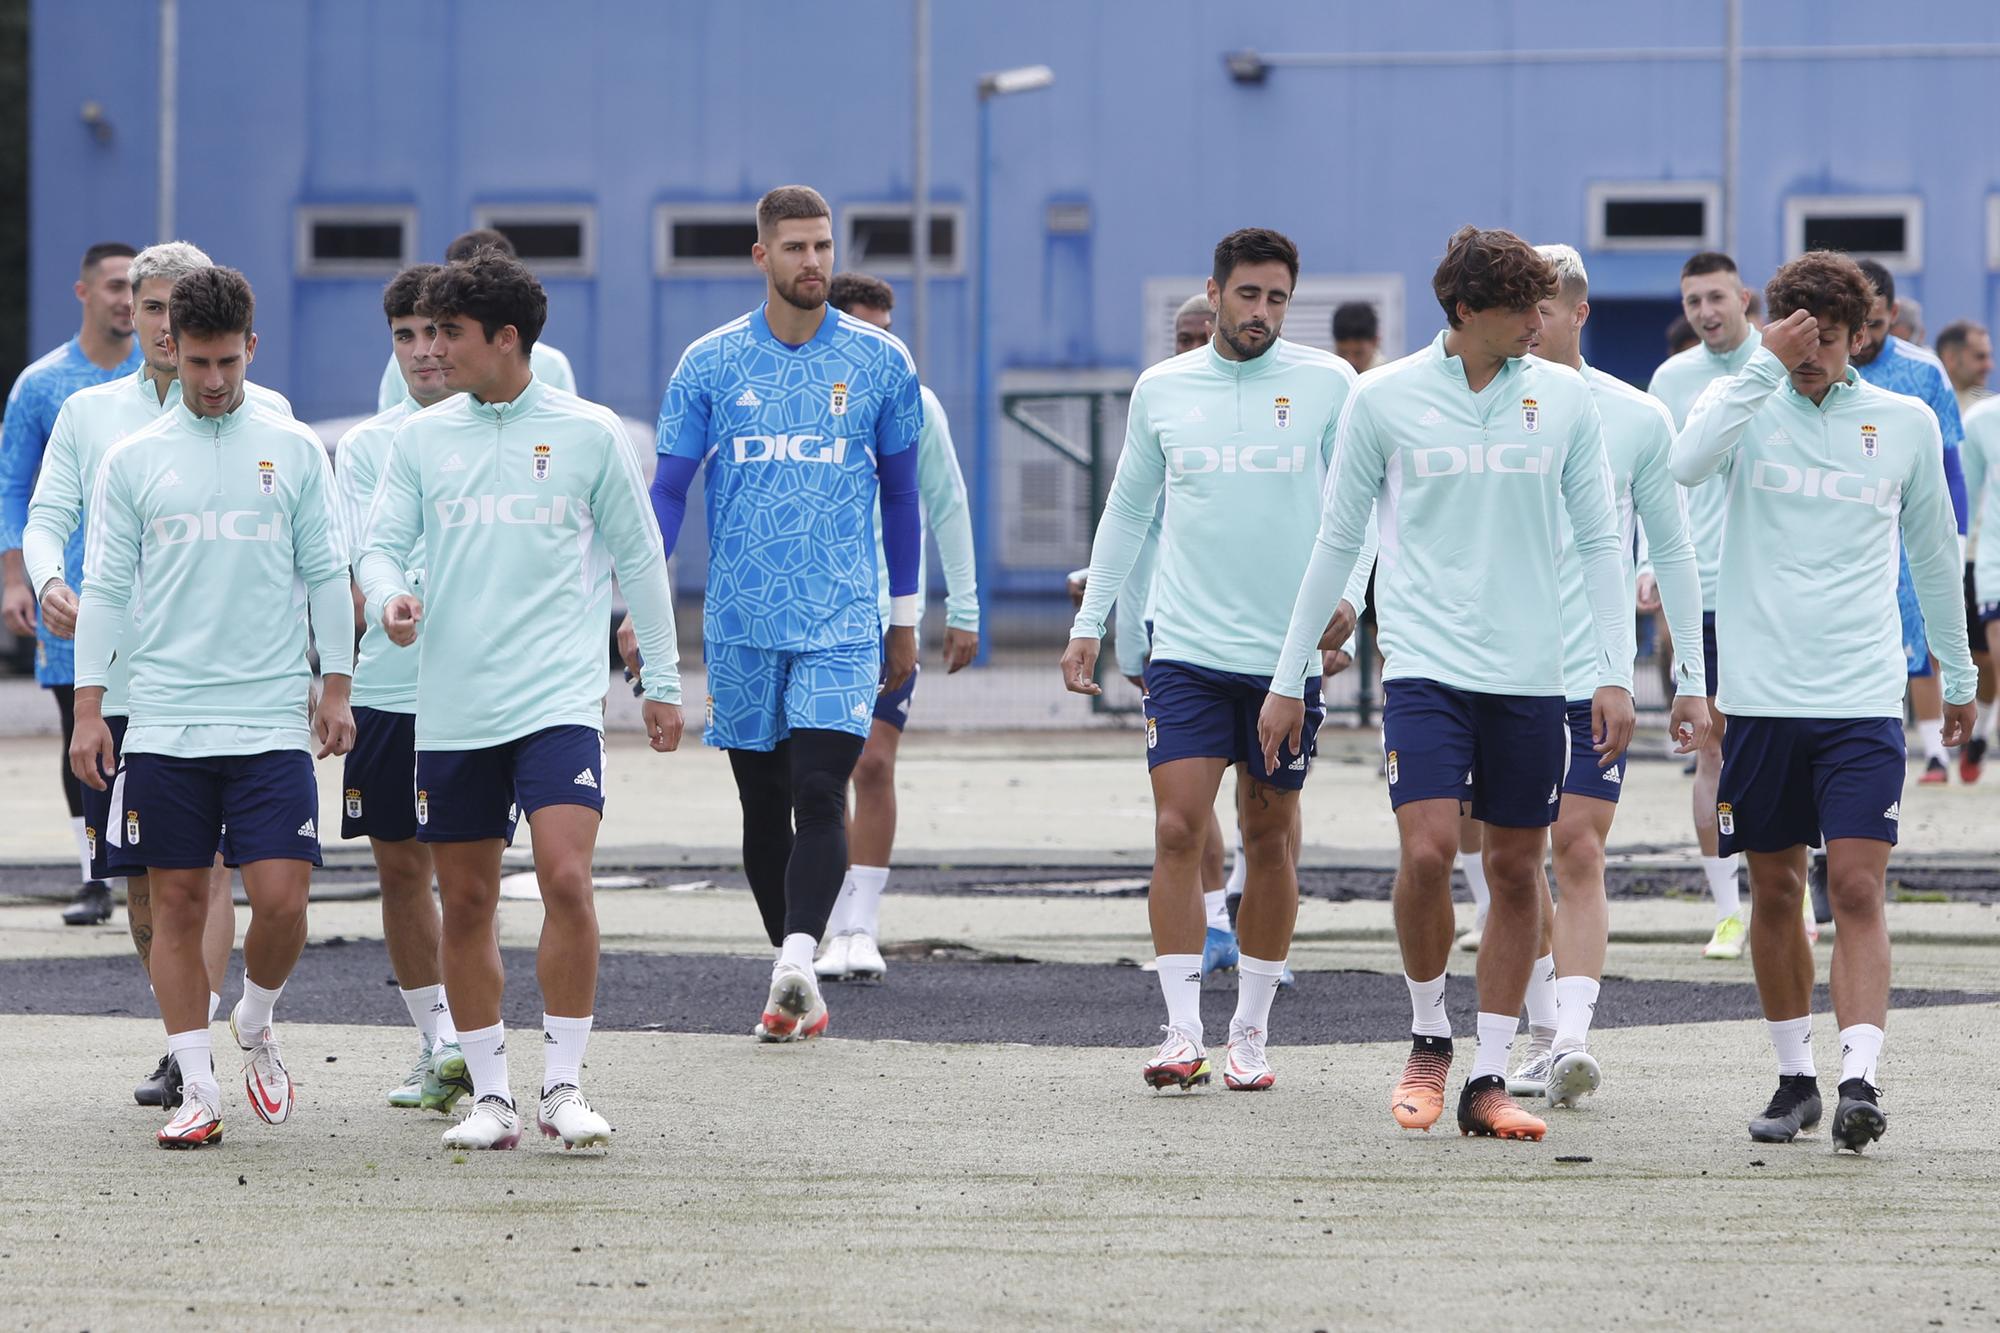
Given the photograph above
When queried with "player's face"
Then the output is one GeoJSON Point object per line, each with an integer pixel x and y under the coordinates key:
{"type": "Point", "coordinates": [211, 368]}
{"type": "Point", "coordinates": [1826, 364]}
{"type": "Point", "coordinates": [797, 258]}
{"type": "Point", "coordinates": [106, 293]}
{"type": "Point", "coordinates": [1875, 332]}
{"type": "Point", "coordinates": [873, 314]}
{"type": "Point", "coordinates": [1971, 361]}
{"type": "Point", "coordinates": [1192, 330]}
{"type": "Point", "coordinates": [1250, 308]}
{"type": "Point", "coordinates": [1562, 330]}
{"type": "Point", "coordinates": [150, 322]}
{"type": "Point", "coordinates": [412, 337]}
{"type": "Point", "coordinates": [1500, 333]}
{"type": "Point", "coordinates": [1717, 305]}
{"type": "Point", "coordinates": [1357, 352]}
{"type": "Point", "coordinates": [468, 362]}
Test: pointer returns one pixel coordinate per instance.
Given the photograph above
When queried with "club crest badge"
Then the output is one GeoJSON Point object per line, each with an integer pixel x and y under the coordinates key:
{"type": "Point", "coordinates": [1394, 772]}
{"type": "Point", "coordinates": [267, 477]}
{"type": "Point", "coordinates": [90, 841]}
{"type": "Point", "coordinates": [353, 803]}
{"type": "Point", "coordinates": [423, 806]}
{"type": "Point", "coordinates": [131, 828]}
{"type": "Point", "coordinates": [1725, 818]}
{"type": "Point", "coordinates": [837, 399]}
{"type": "Point", "coordinates": [541, 462]}
{"type": "Point", "coordinates": [1152, 734]}
{"type": "Point", "coordinates": [1869, 445]}
{"type": "Point", "coordinates": [1284, 412]}
{"type": "Point", "coordinates": [1531, 416]}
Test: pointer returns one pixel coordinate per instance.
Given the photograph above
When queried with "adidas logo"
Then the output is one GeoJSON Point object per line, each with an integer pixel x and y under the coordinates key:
{"type": "Point", "coordinates": [1195, 414]}
{"type": "Point", "coordinates": [861, 709]}
{"type": "Point", "coordinates": [1297, 765]}
{"type": "Point", "coordinates": [1895, 811]}
{"type": "Point", "coordinates": [749, 398]}
{"type": "Point", "coordinates": [1431, 417]}
{"type": "Point", "coordinates": [1555, 792]}
{"type": "Point", "coordinates": [172, 478]}
{"type": "Point", "coordinates": [453, 464]}
{"type": "Point", "coordinates": [308, 830]}
{"type": "Point", "coordinates": [1778, 436]}
{"type": "Point", "coordinates": [585, 779]}
{"type": "Point", "coordinates": [1614, 777]}
{"type": "Point", "coordinates": [548, 1038]}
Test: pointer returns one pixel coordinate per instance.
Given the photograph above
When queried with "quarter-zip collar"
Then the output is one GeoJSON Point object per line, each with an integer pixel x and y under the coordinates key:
{"type": "Point", "coordinates": [1834, 396]}
{"type": "Point", "coordinates": [1453, 368]}
{"type": "Point", "coordinates": [1728, 363]}
{"type": "Point", "coordinates": [501, 414]}
{"type": "Point", "coordinates": [1243, 370]}
{"type": "Point", "coordinates": [221, 427]}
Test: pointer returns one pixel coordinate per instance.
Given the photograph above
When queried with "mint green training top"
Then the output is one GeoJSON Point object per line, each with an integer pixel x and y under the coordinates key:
{"type": "Point", "coordinates": [1241, 450]}
{"type": "Point", "coordinates": [547, 362]}
{"type": "Point", "coordinates": [1980, 457]}
{"type": "Point", "coordinates": [521, 510]}
{"type": "Point", "coordinates": [1678, 382]}
{"type": "Point", "coordinates": [219, 535]}
{"type": "Point", "coordinates": [941, 489]}
{"type": "Point", "coordinates": [1806, 617]}
{"type": "Point", "coordinates": [1471, 490]}
{"type": "Point", "coordinates": [385, 675]}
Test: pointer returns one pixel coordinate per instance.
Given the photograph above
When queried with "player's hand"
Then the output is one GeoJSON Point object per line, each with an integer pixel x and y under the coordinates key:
{"type": "Point", "coordinates": [91, 755]}
{"type": "Point", "coordinates": [1339, 629]}
{"type": "Point", "coordinates": [1688, 723]}
{"type": "Point", "coordinates": [1792, 338]}
{"type": "Point", "coordinates": [663, 725]}
{"type": "Point", "coordinates": [1079, 667]}
{"type": "Point", "coordinates": [59, 609]}
{"type": "Point", "coordinates": [1958, 722]}
{"type": "Point", "coordinates": [1649, 594]}
{"type": "Point", "coordinates": [1335, 661]}
{"type": "Point", "coordinates": [1611, 721]}
{"type": "Point", "coordinates": [333, 720]}
{"type": "Point", "coordinates": [17, 608]}
{"type": "Point", "coordinates": [628, 647]}
{"type": "Point", "coordinates": [900, 657]}
{"type": "Point", "coordinates": [1282, 722]}
{"type": "Point", "coordinates": [401, 615]}
{"type": "Point", "coordinates": [1078, 583]}
{"type": "Point", "coordinates": [960, 647]}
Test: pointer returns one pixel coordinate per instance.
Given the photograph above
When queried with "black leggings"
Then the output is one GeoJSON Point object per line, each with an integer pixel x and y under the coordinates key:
{"type": "Point", "coordinates": [72, 789]}
{"type": "Point", "coordinates": [795, 827]}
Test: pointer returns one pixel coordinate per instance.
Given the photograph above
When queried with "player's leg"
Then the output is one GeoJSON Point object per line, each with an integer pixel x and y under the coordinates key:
{"type": "Point", "coordinates": [821, 764]}
{"type": "Point", "coordinates": [1471, 862]}
{"type": "Point", "coordinates": [1218, 949]}
{"type": "Point", "coordinates": [1720, 872]}
{"type": "Point", "coordinates": [1531, 1063]}
{"type": "Point", "coordinates": [566, 965]}
{"type": "Point", "coordinates": [1972, 754]}
{"type": "Point", "coordinates": [92, 906]}
{"type": "Point", "coordinates": [219, 937]}
{"type": "Point", "coordinates": [745, 718]}
{"type": "Point", "coordinates": [1926, 691]}
{"type": "Point", "coordinates": [852, 946]}
{"type": "Point", "coordinates": [1582, 928]}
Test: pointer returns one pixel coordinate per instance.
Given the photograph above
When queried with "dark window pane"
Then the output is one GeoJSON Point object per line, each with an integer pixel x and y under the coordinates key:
{"type": "Point", "coordinates": [359, 241]}
{"type": "Point", "coordinates": [714, 240]}
{"type": "Point", "coordinates": [1875, 233]}
{"type": "Point", "coordinates": [543, 240]}
{"type": "Point", "coordinates": [888, 236]}
{"type": "Point", "coordinates": [1653, 219]}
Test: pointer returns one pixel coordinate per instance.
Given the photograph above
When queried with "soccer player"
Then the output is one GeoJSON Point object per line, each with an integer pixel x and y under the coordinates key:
{"type": "Point", "coordinates": [1900, 366]}
{"type": "Point", "coordinates": [1357, 335]}
{"type": "Point", "coordinates": [1981, 458]}
{"type": "Point", "coordinates": [549, 364]}
{"type": "Point", "coordinates": [1966, 351]}
{"type": "Point", "coordinates": [378, 801]}
{"type": "Point", "coordinates": [90, 422]}
{"type": "Point", "coordinates": [1237, 435]}
{"type": "Point", "coordinates": [1824, 470]}
{"type": "Point", "coordinates": [852, 948]}
{"type": "Point", "coordinates": [102, 350]}
{"type": "Point", "coordinates": [218, 514]}
{"type": "Point", "coordinates": [1717, 305]}
{"type": "Point", "coordinates": [803, 419]}
{"type": "Point", "coordinates": [1477, 451]}
{"type": "Point", "coordinates": [1638, 436]}
{"type": "Point", "coordinates": [522, 497]}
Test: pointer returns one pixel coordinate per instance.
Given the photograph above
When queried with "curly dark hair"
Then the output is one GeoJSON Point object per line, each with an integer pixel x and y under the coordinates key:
{"type": "Point", "coordinates": [491, 288]}
{"type": "Point", "coordinates": [1826, 285]}
{"type": "Point", "coordinates": [848, 290]}
{"type": "Point", "coordinates": [1489, 270]}
{"type": "Point", "coordinates": [400, 297]}
{"type": "Point", "coordinates": [210, 301]}
{"type": "Point", "coordinates": [1254, 245]}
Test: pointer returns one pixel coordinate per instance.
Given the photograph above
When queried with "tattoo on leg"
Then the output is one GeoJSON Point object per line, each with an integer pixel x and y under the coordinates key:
{"type": "Point", "coordinates": [142, 940]}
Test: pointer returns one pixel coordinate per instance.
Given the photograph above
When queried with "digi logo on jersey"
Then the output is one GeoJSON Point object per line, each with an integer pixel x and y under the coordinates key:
{"type": "Point", "coordinates": [1192, 460]}
{"type": "Point", "coordinates": [1819, 483]}
{"type": "Point", "coordinates": [468, 510]}
{"type": "Point", "coordinates": [789, 449]}
{"type": "Point", "coordinates": [231, 525]}
{"type": "Point", "coordinates": [1450, 460]}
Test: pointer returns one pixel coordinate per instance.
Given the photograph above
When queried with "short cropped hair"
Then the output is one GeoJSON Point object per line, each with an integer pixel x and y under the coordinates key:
{"type": "Point", "coordinates": [1706, 262]}
{"type": "Point", "coordinates": [1195, 305]}
{"type": "Point", "coordinates": [102, 251]}
{"type": "Point", "coordinates": [1254, 245]}
{"type": "Point", "coordinates": [491, 288]}
{"type": "Point", "coordinates": [172, 260]}
{"type": "Point", "coordinates": [1356, 320]}
{"type": "Point", "coordinates": [848, 290]}
{"type": "Point", "coordinates": [211, 301]}
{"type": "Point", "coordinates": [405, 290]}
{"type": "Point", "coordinates": [1491, 270]}
{"type": "Point", "coordinates": [1826, 285]}
{"type": "Point", "coordinates": [788, 202]}
{"type": "Point", "coordinates": [1878, 278]}
{"type": "Point", "coordinates": [1956, 334]}
{"type": "Point", "coordinates": [1575, 279]}
{"type": "Point", "coordinates": [467, 244]}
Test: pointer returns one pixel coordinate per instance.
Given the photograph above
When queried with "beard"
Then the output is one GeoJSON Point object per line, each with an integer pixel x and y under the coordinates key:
{"type": "Point", "coordinates": [1245, 350]}
{"type": "Point", "coordinates": [797, 300]}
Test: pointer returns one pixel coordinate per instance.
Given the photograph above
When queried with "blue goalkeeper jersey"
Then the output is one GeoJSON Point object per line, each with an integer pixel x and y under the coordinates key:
{"type": "Point", "coordinates": [788, 440]}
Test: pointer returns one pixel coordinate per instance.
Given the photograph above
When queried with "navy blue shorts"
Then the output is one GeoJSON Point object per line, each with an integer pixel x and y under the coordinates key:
{"type": "Point", "coordinates": [175, 811]}
{"type": "Point", "coordinates": [1584, 777]}
{"type": "Point", "coordinates": [1708, 651]}
{"type": "Point", "coordinates": [470, 795]}
{"type": "Point", "coordinates": [893, 706]}
{"type": "Point", "coordinates": [1988, 613]}
{"type": "Point", "coordinates": [1975, 623]}
{"type": "Point", "coordinates": [106, 859]}
{"type": "Point", "coordinates": [1791, 781]}
{"type": "Point", "coordinates": [1504, 753]}
{"type": "Point", "coordinates": [1195, 713]}
{"type": "Point", "coordinates": [379, 782]}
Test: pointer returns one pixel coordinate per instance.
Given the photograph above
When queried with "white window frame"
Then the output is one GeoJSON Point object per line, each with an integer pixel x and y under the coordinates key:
{"type": "Point", "coordinates": [1909, 260]}
{"type": "Point", "coordinates": [1709, 193]}
{"type": "Point", "coordinates": [664, 218]}
{"type": "Point", "coordinates": [308, 216]}
{"type": "Point", "coordinates": [1161, 297]}
{"type": "Point", "coordinates": [584, 215]}
{"type": "Point", "coordinates": [934, 267]}
{"type": "Point", "coordinates": [1993, 233]}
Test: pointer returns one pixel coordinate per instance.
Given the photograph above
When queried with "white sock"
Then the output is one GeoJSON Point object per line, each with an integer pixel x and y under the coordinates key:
{"type": "Point", "coordinates": [1473, 866]}
{"type": "Point", "coordinates": [1180, 984]}
{"type": "Point", "coordinates": [1496, 1038]}
{"type": "Point", "coordinates": [1239, 870]}
{"type": "Point", "coordinates": [197, 1062]}
{"type": "Point", "coordinates": [840, 920]}
{"type": "Point", "coordinates": [1983, 727]}
{"type": "Point", "coordinates": [796, 951]}
{"type": "Point", "coordinates": [447, 1031]}
{"type": "Point", "coordinates": [1792, 1040]}
{"type": "Point", "coordinates": [1427, 1015]}
{"type": "Point", "coordinates": [486, 1060]}
{"type": "Point", "coordinates": [1256, 983]}
{"type": "Point", "coordinates": [1576, 1005]}
{"type": "Point", "coordinates": [423, 1004]}
{"type": "Point", "coordinates": [1860, 1048]}
{"type": "Point", "coordinates": [865, 912]}
{"type": "Point", "coordinates": [563, 1040]}
{"type": "Point", "coordinates": [1931, 732]}
{"type": "Point", "coordinates": [1542, 994]}
{"type": "Point", "coordinates": [1722, 887]}
{"type": "Point", "coordinates": [253, 1011]}
{"type": "Point", "coordinates": [214, 1003]}
{"type": "Point", "coordinates": [1216, 903]}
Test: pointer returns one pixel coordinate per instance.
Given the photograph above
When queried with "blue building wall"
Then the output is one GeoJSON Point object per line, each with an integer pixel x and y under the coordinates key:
{"type": "Point", "coordinates": [626, 104]}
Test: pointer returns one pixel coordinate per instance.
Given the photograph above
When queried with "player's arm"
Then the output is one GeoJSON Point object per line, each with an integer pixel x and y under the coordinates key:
{"type": "Point", "coordinates": [1669, 553]}
{"type": "Point", "coordinates": [1129, 649]}
{"type": "Point", "coordinates": [1593, 515]}
{"type": "Point", "coordinates": [625, 519]}
{"type": "Point", "coordinates": [1930, 537]}
{"type": "Point", "coordinates": [1129, 511]}
{"type": "Point", "coordinates": [949, 512]}
{"type": "Point", "coordinates": [355, 476]}
{"type": "Point", "coordinates": [897, 427]}
{"type": "Point", "coordinates": [320, 558]}
{"type": "Point", "coordinates": [681, 440]}
{"type": "Point", "coordinates": [1973, 455]}
{"type": "Point", "coordinates": [110, 570]}
{"type": "Point", "coordinates": [395, 523]}
{"type": "Point", "coordinates": [1944, 404]}
{"type": "Point", "coordinates": [54, 511]}
{"type": "Point", "coordinates": [1359, 460]}
{"type": "Point", "coordinates": [1707, 443]}
{"type": "Point", "coordinates": [22, 435]}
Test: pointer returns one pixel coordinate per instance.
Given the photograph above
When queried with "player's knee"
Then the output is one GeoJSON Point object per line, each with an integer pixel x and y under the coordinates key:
{"type": "Point", "coordinates": [1856, 894]}
{"type": "Point", "coordinates": [819, 799]}
{"type": "Point", "coordinates": [874, 773]}
{"type": "Point", "coordinates": [1179, 833]}
{"type": "Point", "coordinates": [1426, 864]}
{"type": "Point", "coordinates": [1268, 844]}
{"type": "Point", "coordinates": [1578, 855]}
{"type": "Point", "coordinates": [1511, 872]}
